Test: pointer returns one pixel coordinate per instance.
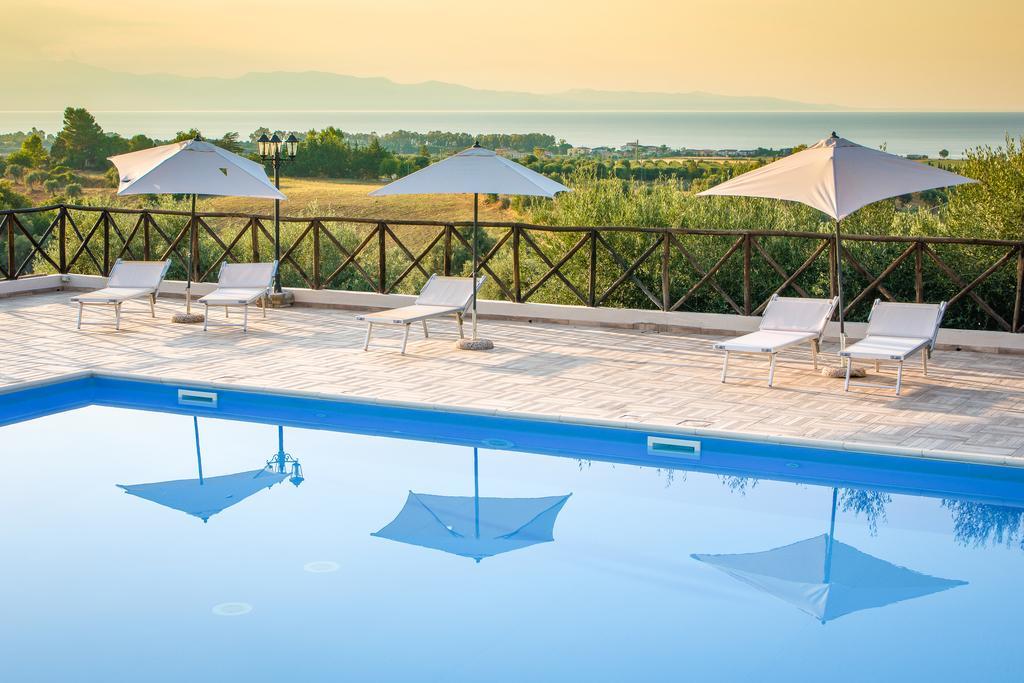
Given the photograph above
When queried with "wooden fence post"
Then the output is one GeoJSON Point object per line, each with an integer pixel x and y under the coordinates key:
{"type": "Point", "coordinates": [666, 261]}
{"type": "Point", "coordinates": [147, 244]}
{"type": "Point", "coordinates": [316, 256]}
{"type": "Point", "coordinates": [106, 244]}
{"type": "Point", "coordinates": [12, 266]}
{"type": "Point", "coordinates": [746, 274]}
{"type": "Point", "coordinates": [1019, 295]}
{"type": "Point", "coordinates": [919, 272]}
{"type": "Point", "coordinates": [517, 284]}
{"type": "Point", "coordinates": [254, 238]}
{"type": "Point", "coordinates": [62, 237]}
{"type": "Point", "coordinates": [592, 278]}
{"type": "Point", "coordinates": [833, 282]}
{"type": "Point", "coordinates": [446, 265]}
{"type": "Point", "coordinates": [382, 264]}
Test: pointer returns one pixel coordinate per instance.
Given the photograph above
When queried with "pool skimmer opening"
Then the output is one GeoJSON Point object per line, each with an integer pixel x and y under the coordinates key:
{"type": "Point", "coordinates": [679, 448]}
{"type": "Point", "coordinates": [192, 397]}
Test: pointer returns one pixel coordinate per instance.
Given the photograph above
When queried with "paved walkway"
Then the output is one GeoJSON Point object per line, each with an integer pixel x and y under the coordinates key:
{"type": "Point", "coordinates": [970, 403]}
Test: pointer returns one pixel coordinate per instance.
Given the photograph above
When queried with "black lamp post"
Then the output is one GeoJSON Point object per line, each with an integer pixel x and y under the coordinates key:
{"type": "Point", "coordinates": [270, 150]}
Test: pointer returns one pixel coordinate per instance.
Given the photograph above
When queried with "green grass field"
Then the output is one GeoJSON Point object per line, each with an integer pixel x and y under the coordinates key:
{"type": "Point", "coordinates": [324, 197]}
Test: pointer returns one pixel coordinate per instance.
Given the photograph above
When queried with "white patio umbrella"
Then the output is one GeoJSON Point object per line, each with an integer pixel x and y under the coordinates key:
{"type": "Point", "coordinates": [471, 526]}
{"type": "Point", "coordinates": [474, 171]}
{"type": "Point", "coordinates": [206, 496]}
{"type": "Point", "coordinates": [837, 177]}
{"type": "Point", "coordinates": [192, 167]}
{"type": "Point", "coordinates": [827, 578]}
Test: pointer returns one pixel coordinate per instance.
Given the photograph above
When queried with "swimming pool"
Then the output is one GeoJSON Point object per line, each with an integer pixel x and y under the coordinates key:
{"type": "Point", "coordinates": [342, 541]}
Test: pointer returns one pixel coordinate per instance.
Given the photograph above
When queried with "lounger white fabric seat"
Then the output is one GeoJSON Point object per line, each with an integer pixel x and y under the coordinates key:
{"type": "Point", "coordinates": [240, 284]}
{"type": "Point", "coordinates": [896, 331]}
{"type": "Point", "coordinates": [440, 297]}
{"type": "Point", "coordinates": [787, 321]}
{"type": "Point", "coordinates": [128, 280]}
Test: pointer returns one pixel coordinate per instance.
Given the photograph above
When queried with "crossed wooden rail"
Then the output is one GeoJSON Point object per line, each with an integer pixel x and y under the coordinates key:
{"type": "Point", "coordinates": [592, 266]}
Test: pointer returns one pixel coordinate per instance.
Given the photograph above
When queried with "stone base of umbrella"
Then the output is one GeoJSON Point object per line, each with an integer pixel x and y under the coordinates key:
{"type": "Point", "coordinates": [840, 372]}
{"type": "Point", "coordinates": [281, 299]}
{"type": "Point", "coordinates": [474, 344]}
{"type": "Point", "coordinates": [187, 318]}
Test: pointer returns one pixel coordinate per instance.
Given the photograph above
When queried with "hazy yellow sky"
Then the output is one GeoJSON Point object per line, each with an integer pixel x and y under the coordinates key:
{"type": "Point", "coordinates": [925, 54]}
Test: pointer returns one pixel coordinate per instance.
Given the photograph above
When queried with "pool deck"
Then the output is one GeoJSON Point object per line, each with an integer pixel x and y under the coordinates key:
{"type": "Point", "coordinates": [971, 403]}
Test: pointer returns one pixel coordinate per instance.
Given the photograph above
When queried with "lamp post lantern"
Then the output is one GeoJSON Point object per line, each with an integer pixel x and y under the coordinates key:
{"type": "Point", "coordinates": [274, 151]}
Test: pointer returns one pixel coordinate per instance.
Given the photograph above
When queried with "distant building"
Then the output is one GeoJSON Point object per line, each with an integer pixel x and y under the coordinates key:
{"type": "Point", "coordinates": [510, 153]}
{"type": "Point", "coordinates": [580, 151]}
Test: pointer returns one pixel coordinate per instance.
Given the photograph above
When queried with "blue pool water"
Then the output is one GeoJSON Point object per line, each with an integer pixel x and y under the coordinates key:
{"type": "Point", "coordinates": [435, 547]}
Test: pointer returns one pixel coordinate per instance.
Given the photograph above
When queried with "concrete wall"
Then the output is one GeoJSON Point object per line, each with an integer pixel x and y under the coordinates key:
{"type": "Point", "coordinates": [703, 323]}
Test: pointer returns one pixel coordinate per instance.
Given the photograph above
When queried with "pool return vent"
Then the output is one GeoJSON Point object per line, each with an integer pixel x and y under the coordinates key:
{"type": "Point", "coordinates": [678, 448]}
{"type": "Point", "coordinates": [201, 399]}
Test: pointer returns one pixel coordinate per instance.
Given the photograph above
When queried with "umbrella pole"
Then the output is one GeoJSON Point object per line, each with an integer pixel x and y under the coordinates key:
{"type": "Point", "coordinates": [191, 257]}
{"type": "Point", "coordinates": [199, 455]}
{"type": "Point", "coordinates": [839, 288]}
{"type": "Point", "coordinates": [476, 490]}
{"type": "Point", "coordinates": [474, 343]}
{"type": "Point", "coordinates": [193, 243]}
{"type": "Point", "coordinates": [476, 218]}
{"type": "Point", "coordinates": [831, 535]}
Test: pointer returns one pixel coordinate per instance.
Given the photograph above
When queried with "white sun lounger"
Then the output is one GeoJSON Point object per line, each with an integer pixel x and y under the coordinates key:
{"type": "Point", "coordinates": [897, 331]}
{"type": "Point", "coordinates": [787, 321]}
{"type": "Point", "coordinates": [240, 284]}
{"type": "Point", "coordinates": [440, 297]}
{"type": "Point", "coordinates": [128, 280]}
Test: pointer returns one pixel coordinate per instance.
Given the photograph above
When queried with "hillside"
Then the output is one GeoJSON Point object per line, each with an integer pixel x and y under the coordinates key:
{"type": "Point", "coordinates": [35, 86]}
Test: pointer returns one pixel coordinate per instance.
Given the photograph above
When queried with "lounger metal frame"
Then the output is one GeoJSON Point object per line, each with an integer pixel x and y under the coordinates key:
{"type": "Point", "coordinates": [405, 336]}
{"type": "Point", "coordinates": [926, 350]}
{"type": "Point", "coordinates": [815, 343]}
{"type": "Point", "coordinates": [262, 301]}
{"type": "Point", "coordinates": [459, 316]}
{"type": "Point", "coordinates": [117, 304]}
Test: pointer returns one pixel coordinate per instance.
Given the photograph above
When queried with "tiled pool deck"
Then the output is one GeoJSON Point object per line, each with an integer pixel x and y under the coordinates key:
{"type": "Point", "coordinates": [971, 403]}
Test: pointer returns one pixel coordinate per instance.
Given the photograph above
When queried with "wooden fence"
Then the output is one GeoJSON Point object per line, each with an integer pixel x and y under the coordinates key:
{"type": "Point", "coordinates": [670, 269]}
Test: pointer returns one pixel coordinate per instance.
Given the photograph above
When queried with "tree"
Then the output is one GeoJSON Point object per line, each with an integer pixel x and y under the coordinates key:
{"type": "Point", "coordinates": [140, 141]}
{"type": "Point", "coordinates": [51, 185]}
{"type": "Point", "coordinates": [15, 172]}
{"type": "Point", "coordinates": [35, 177]}
{"type": "Point", "coordinates": [994, 206]}
{"type": "Point", "coordinates": [81, 143]}
{"type": "Point", "coordinates": [73, 190]}
{"type": "Point", "coordinates": [229, 141]}
{"type": "Point", "coordinates": [944, 153]}
{"type": "Point", "coordinates": [190, 134]}
{"type": "Point", "coordinates": [32, 153]}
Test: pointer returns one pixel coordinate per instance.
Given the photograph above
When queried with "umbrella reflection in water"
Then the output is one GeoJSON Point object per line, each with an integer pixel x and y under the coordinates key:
{"type": "Point", "coordinates": [827, 578]}
{"type": "Point", "coordinates": [206, 496]}
{"type": "Point", "coordinates": [471, 526]}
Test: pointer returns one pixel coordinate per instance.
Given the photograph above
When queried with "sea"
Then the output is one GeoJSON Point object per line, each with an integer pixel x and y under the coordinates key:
{"type": "Point", "coordinates": [899, 132]}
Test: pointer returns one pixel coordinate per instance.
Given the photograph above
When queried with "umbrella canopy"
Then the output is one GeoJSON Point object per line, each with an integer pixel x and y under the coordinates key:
{"type": "Point", "coordinates": [837, 177]}
{"type": "Point", "coordinates": [474, 171]}
{"type": "Point", "coordinates": [474, 527]}
{"type": "Point", "coordinates": [192, 167]}
{"type": "Point", "coordinates": [827, 578]}
{"type": "Point", "coordinates": [205, 497]}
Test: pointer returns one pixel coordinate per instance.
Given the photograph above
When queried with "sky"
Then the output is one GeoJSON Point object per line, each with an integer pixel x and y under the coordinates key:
{"type": "Point", "coordinates": [874, 54]}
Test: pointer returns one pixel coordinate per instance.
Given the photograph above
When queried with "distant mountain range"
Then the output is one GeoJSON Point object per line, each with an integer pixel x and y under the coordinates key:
{"type": "Point", "coordinates": [42, 86]}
